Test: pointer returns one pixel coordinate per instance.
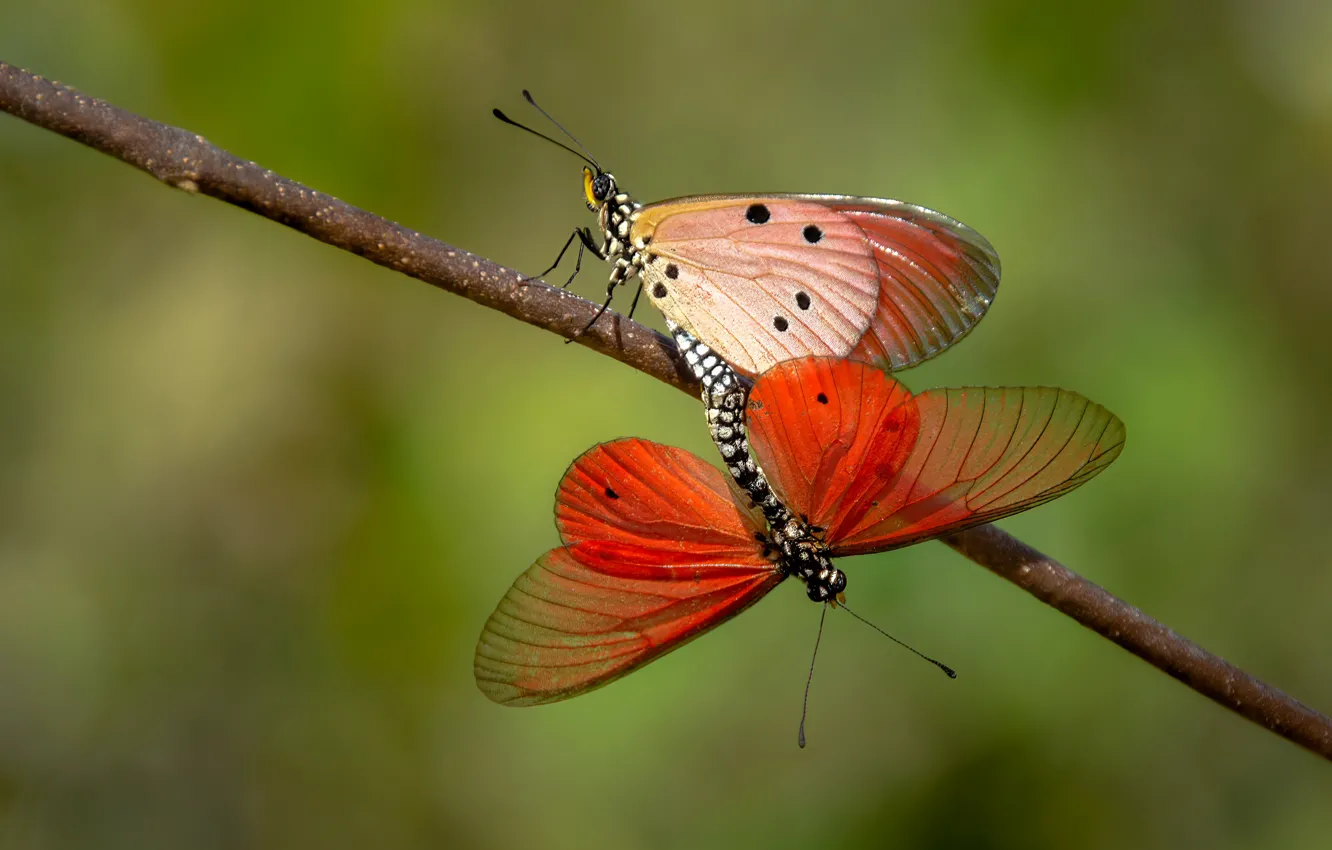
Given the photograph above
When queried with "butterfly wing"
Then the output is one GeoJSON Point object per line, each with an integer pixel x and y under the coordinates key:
{"type": "Point", "coordinates": [761, 293]}
{"type": "Point", "coordinates": [937, 278]}
{"type": "Point", "coordinates": [640, 493]}
{"type": "Point", "coordinates": [665, 559]}
{"type": "Point", "coordinates": [767, 279]}
{"type": "Point", "coordinates": [897, 469]}
{"type": "Point", "coordinates": [819, 426]}
{"type": "Point", "coordinates": [583, 616]}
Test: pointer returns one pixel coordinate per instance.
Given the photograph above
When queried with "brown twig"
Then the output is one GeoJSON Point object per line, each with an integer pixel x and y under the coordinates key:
{"type": "Point", "coordinates": [187, 161]}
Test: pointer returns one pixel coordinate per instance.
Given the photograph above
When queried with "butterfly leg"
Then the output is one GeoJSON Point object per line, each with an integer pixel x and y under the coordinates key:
{"type": "Point", "coordinates": [610, 293]}
{"type": "Point", "coordinates": [578, 263]}
{"type": "Point", "coordinates": [584, 235]}
{"type": "Point", "coordinates": [634, 306]}
{"type": "Point", "coordinates": [585, 243]}
{"type": "Point", "coordinates": [554, 265]}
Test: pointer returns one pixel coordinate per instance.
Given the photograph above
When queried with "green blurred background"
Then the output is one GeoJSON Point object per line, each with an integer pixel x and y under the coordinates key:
{"type": "Point", "coordinates": [259, 496]}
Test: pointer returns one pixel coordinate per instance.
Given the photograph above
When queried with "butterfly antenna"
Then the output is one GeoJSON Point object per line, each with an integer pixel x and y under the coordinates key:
{"type": "Point", "coordinates": [952, 674]}
{"type": "Point", "coordinates": [507, 120]}
{"type": "Point", "coordinates": [527, 95]}
{"type": "Point", "coordinates": [804, 709]}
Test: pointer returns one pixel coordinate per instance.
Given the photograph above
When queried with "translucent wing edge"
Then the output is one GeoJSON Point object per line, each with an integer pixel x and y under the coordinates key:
{"type": "Point", "coordinates": [575, 621]}
{"type": "Point", "coordinates": [1004, 487]}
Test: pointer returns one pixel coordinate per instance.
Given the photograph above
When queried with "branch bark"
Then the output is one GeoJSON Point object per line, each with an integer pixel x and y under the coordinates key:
{"type": "Point", "coordinates": [189, 162]}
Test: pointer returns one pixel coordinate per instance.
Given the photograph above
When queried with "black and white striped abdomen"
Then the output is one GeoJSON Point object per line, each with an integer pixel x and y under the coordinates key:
{"type": "Point", "coordinates": [724, 398]}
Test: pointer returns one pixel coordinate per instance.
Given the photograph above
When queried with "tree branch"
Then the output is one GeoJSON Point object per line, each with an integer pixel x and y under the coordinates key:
{"type": "Point", "coordinates": [187, 161]}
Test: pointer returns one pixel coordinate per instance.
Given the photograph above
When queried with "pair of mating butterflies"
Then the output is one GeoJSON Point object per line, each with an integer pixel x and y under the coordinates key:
{"type": "Point", "coordinates": [659, 545]}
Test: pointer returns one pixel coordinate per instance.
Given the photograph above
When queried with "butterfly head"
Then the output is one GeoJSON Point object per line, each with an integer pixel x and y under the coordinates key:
{"type": "Point", "coordinates": [598, 187]}
{"type": "Point", "coordinates": [806, 556]}
{"type": "Point", "coordinates": [827, 585]}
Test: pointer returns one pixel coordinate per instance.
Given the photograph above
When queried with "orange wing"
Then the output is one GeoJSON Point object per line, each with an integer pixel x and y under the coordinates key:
{"type": "Point", "coordinates": [585, 615]}
{"type": "Point", "coordinates": [821, 427]}
{"type": "Point", "coordinates": [899, 469]}
{"type": "Point", "coordinates": [640, 493]}
{"type": "Point", "coordinates": [657, 553]}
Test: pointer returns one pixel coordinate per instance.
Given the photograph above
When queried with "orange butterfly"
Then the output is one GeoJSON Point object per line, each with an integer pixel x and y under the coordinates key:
{"type": "Point", "coordinates": [660, 548]}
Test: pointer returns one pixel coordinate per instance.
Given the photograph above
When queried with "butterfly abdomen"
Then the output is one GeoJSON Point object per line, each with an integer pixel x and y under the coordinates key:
{"type": "Point", "coordinates": [801, 552]}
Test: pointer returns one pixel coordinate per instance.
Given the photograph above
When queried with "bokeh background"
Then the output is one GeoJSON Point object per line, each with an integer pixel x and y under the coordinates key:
{"type": "Point", "coordinates": [257, 496]}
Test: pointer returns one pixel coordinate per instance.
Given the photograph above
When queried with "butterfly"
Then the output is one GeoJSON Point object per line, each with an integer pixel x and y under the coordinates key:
{"type": "Point", "coordinates": [768, 278]}
{"type": "Point", "coordinates": [659, 546]}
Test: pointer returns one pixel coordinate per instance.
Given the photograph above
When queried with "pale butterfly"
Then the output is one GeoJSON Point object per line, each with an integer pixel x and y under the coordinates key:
{"type": "Point", "coordinates": [766, 278]}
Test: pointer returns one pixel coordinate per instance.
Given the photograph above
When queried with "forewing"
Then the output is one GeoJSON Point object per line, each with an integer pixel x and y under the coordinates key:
{"type": "Point", "coordinates": [585, 615]}
{"type": "Point", "coordinates": [644, 494]}
{"type": "Point", "coordinates": [937, 278]}
{"type": "Point", "coordinates": [819, 427]}
{"type": "Point", "coordinates": [981, 454]}
{"type": "Point", "coordinates": [877, 280]}
{"type": "Point", "coordinates": [802, 281]}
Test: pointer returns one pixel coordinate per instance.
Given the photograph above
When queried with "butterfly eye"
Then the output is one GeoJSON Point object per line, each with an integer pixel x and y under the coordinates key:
{"type": "Point", "coordinates": [597, 187]}
{"type": "Point", "coordinates": [588, 179]}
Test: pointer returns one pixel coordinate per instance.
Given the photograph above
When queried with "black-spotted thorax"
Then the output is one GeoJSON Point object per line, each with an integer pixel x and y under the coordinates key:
{"type": "Point", "coordinates": [616, 212]}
